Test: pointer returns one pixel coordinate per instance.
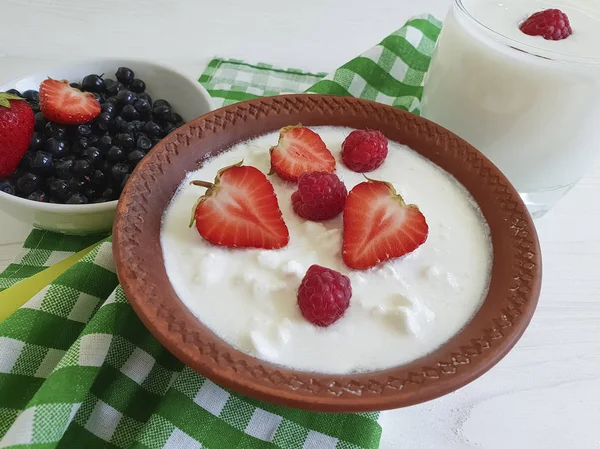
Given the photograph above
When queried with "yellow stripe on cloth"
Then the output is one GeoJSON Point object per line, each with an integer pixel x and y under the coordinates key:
{"type": "Point", "coordinates": [14, 297]}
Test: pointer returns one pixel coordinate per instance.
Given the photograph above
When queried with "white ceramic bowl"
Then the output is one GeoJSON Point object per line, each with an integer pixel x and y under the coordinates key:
{"type": "Point", "coordinates": [186, 95]}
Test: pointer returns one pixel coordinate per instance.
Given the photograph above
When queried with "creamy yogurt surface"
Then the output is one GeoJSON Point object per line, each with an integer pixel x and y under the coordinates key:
{"type": "Point", "coordinates": [399, 311]}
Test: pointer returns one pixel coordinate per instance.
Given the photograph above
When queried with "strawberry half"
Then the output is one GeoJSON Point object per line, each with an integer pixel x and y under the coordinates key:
{"type": "Point", "coordinates": [66, 105]}
{"type": "Point", "coordinates": [378, 225]}
{"type": "Point", "coordinates": [298, 151]}
{"type": "Point", "coordinates": [240, 210]}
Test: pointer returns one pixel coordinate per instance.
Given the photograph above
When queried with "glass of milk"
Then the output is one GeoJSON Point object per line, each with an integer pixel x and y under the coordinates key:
{"type": "Point", "coordinates": [530, 105]}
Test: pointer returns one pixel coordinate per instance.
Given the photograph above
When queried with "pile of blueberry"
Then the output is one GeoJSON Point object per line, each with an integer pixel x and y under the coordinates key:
{"type": "Point", "coordinates": [90, 163]}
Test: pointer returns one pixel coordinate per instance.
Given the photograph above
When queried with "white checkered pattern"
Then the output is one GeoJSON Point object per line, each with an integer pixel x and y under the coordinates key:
{"type": "Point", "coordinates": [263, 425]}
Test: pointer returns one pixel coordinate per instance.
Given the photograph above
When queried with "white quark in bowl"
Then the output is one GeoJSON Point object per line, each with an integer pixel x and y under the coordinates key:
{"type": "Point", "coordinates": [399, 311]}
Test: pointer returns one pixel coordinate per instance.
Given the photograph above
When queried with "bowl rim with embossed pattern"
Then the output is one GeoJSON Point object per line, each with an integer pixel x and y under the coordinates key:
{"type": "Point", "coordinates": [487, 338]}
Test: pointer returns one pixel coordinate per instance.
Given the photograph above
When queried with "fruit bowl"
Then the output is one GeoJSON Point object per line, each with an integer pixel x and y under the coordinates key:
{"type": "Point", "coordinates": [495, 328]}
{"type": "Point", "coordinates": [186, 95]}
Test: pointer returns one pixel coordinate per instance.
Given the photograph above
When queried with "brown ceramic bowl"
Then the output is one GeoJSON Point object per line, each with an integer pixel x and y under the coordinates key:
{"type": "Point", "coordinates": [502, 319]}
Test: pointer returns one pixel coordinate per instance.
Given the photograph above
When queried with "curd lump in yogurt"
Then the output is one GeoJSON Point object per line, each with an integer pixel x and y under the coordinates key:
{"type": "Point", "coordinates": [399, 311]}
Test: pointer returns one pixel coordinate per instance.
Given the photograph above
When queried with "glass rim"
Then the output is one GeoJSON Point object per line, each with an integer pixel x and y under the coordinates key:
{"type": "Point", "coordinates": [530, 50]}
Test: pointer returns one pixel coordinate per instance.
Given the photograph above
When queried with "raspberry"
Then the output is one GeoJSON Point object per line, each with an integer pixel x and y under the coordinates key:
{"type": "Point", "coordinates": [324, 295]}
{"type": "Point", "coordinates": [320, 196]}
{"type": "Point", "coordinates": [551, 24]}
{"type": "Point", "coordinates": [364, 150]}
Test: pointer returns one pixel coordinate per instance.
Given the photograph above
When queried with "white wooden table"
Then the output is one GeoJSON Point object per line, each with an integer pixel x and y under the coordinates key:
{"type": "Point", "coordinates": [546, 392]}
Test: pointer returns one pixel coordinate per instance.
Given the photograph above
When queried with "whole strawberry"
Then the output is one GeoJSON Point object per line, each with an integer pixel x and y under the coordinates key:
{"type": "Point", "coordinates": [16, 128]}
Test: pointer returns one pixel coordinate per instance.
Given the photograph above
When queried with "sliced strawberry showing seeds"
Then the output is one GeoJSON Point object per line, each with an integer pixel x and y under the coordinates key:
{"type": "Point", "coordinates": [298, 151]}
{"type": "Point", "coordinates": [240, 210]}
{"type": "Point", "coordinates": [66, 105]}
{"type": "Point", "coordinates": [378, 225]}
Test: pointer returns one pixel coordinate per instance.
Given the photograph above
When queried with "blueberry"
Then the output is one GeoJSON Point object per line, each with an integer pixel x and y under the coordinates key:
{"type": "Point", "coordinates": [115, 88]}
{"type": "Point", "coordinates": [105, 142]}
{"type": "Point", "coordinates": [14, 92]}
{"type": "Point", "coordinates": [99, 178]}
{"type": "Point", "coordinates": [161, 102]}
{"type": "Point", "coordinates": [145, 96]}
{"type": "Point", "coordinates": [129, 128]}
{"type": "Point", "coordinates": [77, 198]}
{"type": "Point", "coordinates": [42, 163]}
{"type": "Point", "coordinates": [125, 75]}
{"type": "Point", "coordinates": [99, 97]}
{"type": "Point", "coordinates": [75, 86]}
{"type": "Point", "coordinates": [40, 122]}
{"type": "Point", "coordinates": [110, 194]}
{"type": "Point", "coordinates": [113, 101]}
{"type": "Point", "coordinates": [115, 154]}
{"type": "Point", "coordinates": [134, 157]}
{"type": "Point", "coordinates": [153, 129]}
{"type": "Point", "coordinates": [143, 143]}
{"type": "Point", "coordinates": [138, 125]}
{"type": "Point", "coordinates": [124, 140]}
{"type": "Point", "coordinates": [120, 122]}
{"type": "Point", "coordinates": [82, 168]}
{"type": "Point", "coordinates": [119, 171]}
{"type": "Point", "coordinates": [55, 130]}
{"type": "Point", "coordinates": [38, 195]}
{"type": "Point", "coordinates": [35, 107]}
{"type": "Point", "coordinates": [28, 183]}
{"type": "Point", "coordinates": [155, 141]}
{"type": "Point", "coordinates": [169, 128]}
{"type": "Point", "coordinates": [14, 176]}
{"type": "Point", "coordinates": [137, 86]}
{"type": "Point", "coordinates": [93, 140]}
{"type": "Point", "coordinates": [93, 83]}
{"type": "Point", "coordinates": [178, 119]}
{"type": "Point", "coordinates": [125, 179]}
{"type": "Point", "coordinates": [7, 187]}
{"type": "Point", "coordinates": [91, 193]}
{"type": "Point", "coordinates": [129, 113]}
{"type": "Point", "coordinates": [106, 166]}
{"type": "Point", "coordinates": [25, 162]}
{"type": "Point", "coordinates": [83, 130]}
{"type": "Point", "coordinates": [93, 155]}
{"type": "Point", "coordinates": [110, 107]}
{"type": "Point", "coordinates": [162, 113]}
{"type": "Point", "coordinates": [36, 142]}
{"type": "Point", "coordinates": [57, 147]}
{"type": "Point", "coordinates": [59, 189]}
{"type": "Point", "coordinates": [143, 106]}
{"type": "Point", "coordinates": [31, 95]}
{"type": "Point", "coordinates": [76, 185]}
{"type": "Point", "coordinates": [80, 144]}
{"type": "Point", "coordinates": [126, 97]}
{"type": "Point", "coordinates": [62, 168]}
{"type": "Point", "coordinates": [104, 121]}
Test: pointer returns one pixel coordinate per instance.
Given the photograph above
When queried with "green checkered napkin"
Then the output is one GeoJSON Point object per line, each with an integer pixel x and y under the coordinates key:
{"type": "Point", "coordinates": [79, 370]}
